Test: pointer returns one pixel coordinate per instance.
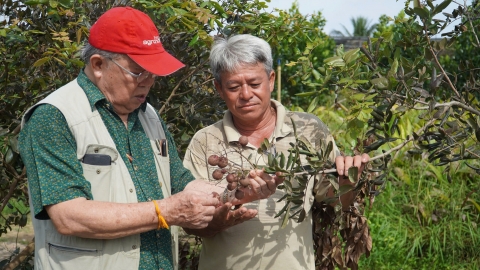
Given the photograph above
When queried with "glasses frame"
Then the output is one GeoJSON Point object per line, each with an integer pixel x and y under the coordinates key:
{"type": "Point", "coordinates": [142, 76]}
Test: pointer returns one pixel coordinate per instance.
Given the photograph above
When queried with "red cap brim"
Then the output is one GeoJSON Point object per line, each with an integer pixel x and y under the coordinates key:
{"type": "Point", "coordinates": [161, 64]}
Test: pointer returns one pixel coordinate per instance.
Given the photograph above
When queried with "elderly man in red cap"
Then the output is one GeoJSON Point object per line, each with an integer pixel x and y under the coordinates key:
{"type": "Point", "coordinates": [105, 181]}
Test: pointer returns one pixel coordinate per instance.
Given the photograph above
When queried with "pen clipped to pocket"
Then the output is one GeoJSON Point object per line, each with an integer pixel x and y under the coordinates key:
{"type": "Point", "coordinates": [162, 146]}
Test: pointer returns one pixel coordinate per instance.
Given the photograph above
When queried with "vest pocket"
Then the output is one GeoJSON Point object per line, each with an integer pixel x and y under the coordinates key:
{"type": "Point", "coordinates": [98, 174]}
{"type": "Point", "coordinates": [100, 178]}
{"type": "Point", "coordinates": [68, 257]}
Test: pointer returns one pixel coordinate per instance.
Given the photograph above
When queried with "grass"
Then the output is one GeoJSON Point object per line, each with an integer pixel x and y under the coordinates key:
{"type": "Point", "coordinates": [426, 223]}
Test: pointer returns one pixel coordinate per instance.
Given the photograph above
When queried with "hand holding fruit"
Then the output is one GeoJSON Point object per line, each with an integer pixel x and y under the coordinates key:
{"type": "Point", "coordinates": [246, 185]}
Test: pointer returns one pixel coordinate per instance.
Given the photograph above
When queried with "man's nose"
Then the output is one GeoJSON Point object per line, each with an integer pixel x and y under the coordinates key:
{"type": "Point", "coordinates": [246, 93]}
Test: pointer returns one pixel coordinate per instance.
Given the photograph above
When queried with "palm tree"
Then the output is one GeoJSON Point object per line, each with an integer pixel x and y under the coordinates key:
{"type": "Point", "coordinates": [361, 28]}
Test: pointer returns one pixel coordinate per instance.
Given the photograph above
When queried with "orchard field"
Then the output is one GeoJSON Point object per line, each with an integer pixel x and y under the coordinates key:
{"type": "Point", "coordinates": [409, 96]}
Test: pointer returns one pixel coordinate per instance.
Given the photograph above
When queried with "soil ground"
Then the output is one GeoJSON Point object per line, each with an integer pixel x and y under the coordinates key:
{"type": "Point", "coordinates": [18, 238]}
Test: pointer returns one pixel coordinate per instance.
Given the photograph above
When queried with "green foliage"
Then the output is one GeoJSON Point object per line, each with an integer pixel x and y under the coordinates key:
{"type": "Point", "coordinates": [394, 92]}
{"type": "Point", "coordinates": [427, 223]}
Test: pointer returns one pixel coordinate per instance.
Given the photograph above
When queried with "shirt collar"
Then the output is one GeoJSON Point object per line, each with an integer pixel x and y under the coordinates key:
{"type": "Point", "coordinates": [281, 129]}
{"type": "Point", "coordinates": [94, 94]}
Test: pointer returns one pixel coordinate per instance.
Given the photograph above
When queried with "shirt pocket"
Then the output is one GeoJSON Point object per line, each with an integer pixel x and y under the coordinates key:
{"type": "Point", "coordinates": [66, 252]}
{"type": "Point", "coordinates": [101, 177]}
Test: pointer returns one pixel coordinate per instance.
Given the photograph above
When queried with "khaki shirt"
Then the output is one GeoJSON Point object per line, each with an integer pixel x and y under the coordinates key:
{"type": "Point", "coordinates": [259, 243]}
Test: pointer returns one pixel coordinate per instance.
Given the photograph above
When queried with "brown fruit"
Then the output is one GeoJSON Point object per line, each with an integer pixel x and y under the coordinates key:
{"type": "Point", "coordinates": [231, 177]}
{"type": "Point", "coordinates": [244, 182]}
{"type": "Point", "coordinates": [217, 174]}
{"type": "Point", "coordinates": [213, 160]}
{"type": "Point", "coordinates": [232, 186]}
{"type": "Point", "coordinates": [222, 162]}
{"type": "Point", "coordinates": [239, 194]}
{"type": "Point", "coordinates": [243, 140]}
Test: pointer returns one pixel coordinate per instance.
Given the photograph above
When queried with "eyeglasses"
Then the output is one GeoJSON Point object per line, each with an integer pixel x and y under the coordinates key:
{"type": "Point", "coordinates": [142, 76]}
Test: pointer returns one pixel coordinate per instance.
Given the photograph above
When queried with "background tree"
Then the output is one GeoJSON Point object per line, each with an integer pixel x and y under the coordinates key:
{"type": "Point", "coordinates": [393, 97]}
{"type": "Point", "coordinates": [361, 28]}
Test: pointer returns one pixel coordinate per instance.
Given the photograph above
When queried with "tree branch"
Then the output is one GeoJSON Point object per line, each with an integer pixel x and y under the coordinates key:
{"type": "Point", "coordinates": [452, 104]}
{"type": "Point", "coordinates": [438, 63]}
{"type": "Point", "coordinates": [22, 256]}
{"type": "Point", "coordinates": [179, 83]}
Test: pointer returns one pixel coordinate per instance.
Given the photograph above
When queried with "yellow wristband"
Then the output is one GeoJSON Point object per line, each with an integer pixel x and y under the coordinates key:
{"type": "Point", "coordinates": [161, 221]}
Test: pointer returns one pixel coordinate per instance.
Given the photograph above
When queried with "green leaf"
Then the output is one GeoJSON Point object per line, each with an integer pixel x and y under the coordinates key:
{"type": "Point", "coordinates": [218, 7]}
{"type": "Point", "coordinates": [53, 4]}
{"type": "Point", "coordinates": [335, 61]}
{"type": "Point", "coordinates": [303, 213]}
{"type": "Point", "coordinates": [440, 7]}
{"type": "Point", "coordinates": [353, 174]}
{"type": "Point", "coordinates": [422, 12]}
{"type": "Point", "coordinates": [316, 74]}
{"type": "Point", "coordinates": [41, 61]}
{"type": "Point", "coordinates": [380, 83]}
{"type": "Point", "coordinates": [294, 127]}
{"type": "Point", "coordinates": [289, 161]}
{"type": "Point", "coordinates": [393, 69]}
{"type": "Point", "coordinates": [329, 149]}
{"type": "Point", "coordinates": [351, 55]}
{"type": "Point", "coordinates": [358, 97]}
{"type": "Point", "coordinates": [306, 94]}
{"type": "Point", "coordinates": [285, 218]}
{"type": "Point", "coordinates": [282, 160]}
{"type": "Point", "coordinates": [312, 105]}
{"type": "Point", "coordinates": [194, 40]}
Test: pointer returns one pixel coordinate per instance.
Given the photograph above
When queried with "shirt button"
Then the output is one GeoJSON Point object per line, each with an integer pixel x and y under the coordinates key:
{"type": "Point", "coordinates": [134, 246]}
{"type": "Point", "coordinates": [96, 150]}
{"type": "Point", "coordinates": [131, 190]}
{"type": "Point", "coordinates": [149, 199]}
{"type": "Point", "coordinates": [98, 171]}
{"type": "Point", "coordinates": [135, 167]}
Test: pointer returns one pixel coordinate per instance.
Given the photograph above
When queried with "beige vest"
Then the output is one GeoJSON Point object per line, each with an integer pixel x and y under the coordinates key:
{"type": "Point", "coordinates": [108, 183]}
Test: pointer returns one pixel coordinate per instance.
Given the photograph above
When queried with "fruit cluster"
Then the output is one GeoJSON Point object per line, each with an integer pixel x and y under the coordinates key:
{"type": "Point", "coordinates": [234, 176]}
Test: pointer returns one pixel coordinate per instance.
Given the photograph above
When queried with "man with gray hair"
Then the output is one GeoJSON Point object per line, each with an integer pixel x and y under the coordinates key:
{"type": "Point", "coordinates": [244, 79]}
{"type": "Point", "coordinates": [105, 180]}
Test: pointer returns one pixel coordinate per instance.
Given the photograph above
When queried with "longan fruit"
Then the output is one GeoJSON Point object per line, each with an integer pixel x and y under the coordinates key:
{"type": "Point", "coordinates": [222, 162]}
{"type": "Point", "coordinates": [244, 182]}
{"type": "Point", "coordinates": [217, 174]}
{"type": "Point", "coordinates": [231, 186]}
{"type": "Point", "coordinates": [239, 194]}
{"type": "Point", "coordinates": [213, 160]}
{"type": "Point", "coordinates": [231, 177]}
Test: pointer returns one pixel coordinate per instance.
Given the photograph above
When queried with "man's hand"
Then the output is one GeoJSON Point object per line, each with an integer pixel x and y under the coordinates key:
{"type": "Point", "coordinates": [189, 209]}
{"type": "Point", "coordinates": [224, 218]}
{"type": "Point", "coordinates": [343, 164]}
{"type": "Point", "coordinates": [261, 186]}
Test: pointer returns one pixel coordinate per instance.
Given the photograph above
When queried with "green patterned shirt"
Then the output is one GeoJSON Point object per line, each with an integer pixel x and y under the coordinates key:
{"type": "Point", "coordinates": [55, 175]}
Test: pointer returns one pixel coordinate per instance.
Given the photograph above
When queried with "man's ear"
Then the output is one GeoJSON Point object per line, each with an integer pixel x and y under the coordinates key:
{"type": "Point", "coordinates": [97, 65]}
{"type": "Point", "coordinates": [271, 81]}
{"type": "Point", "coordinates": [218, 86]}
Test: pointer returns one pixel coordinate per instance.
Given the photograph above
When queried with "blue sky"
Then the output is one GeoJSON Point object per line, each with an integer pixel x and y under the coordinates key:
{"type": "Point", "coordinates": [338, 12]}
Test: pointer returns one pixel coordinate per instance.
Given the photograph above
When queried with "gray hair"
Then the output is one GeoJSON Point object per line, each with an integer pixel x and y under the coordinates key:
{"type": "Point", "coordinates": [88, 50]}
{"type": "Point", "coordinates": [228, 54]}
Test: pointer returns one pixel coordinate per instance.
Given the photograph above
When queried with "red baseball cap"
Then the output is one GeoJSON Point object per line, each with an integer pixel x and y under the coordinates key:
{"type": "Point", "coordinates": [129, 31]}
